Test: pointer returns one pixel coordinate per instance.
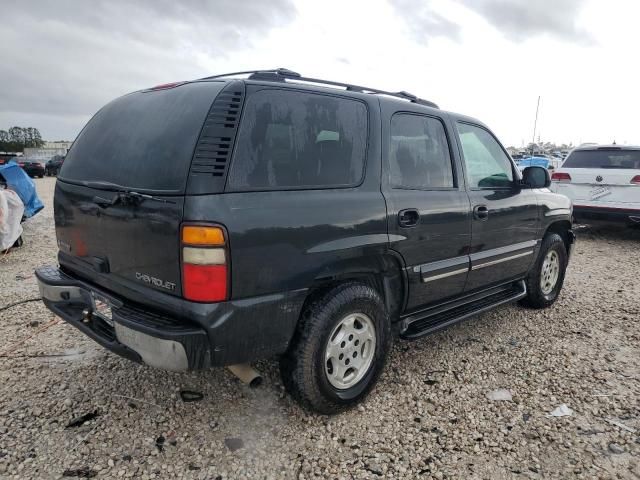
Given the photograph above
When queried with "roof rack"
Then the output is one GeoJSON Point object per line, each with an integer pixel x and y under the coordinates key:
{"type": "Point", "coordinates": [284, 74]}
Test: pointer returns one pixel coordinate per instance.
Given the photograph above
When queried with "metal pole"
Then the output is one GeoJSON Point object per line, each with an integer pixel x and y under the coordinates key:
{"type": "Point", "coordinates": [535, 125]}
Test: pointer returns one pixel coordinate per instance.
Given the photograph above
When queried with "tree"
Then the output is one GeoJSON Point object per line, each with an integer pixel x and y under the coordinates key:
{"type": "Point", "coordinates": [17, 139]}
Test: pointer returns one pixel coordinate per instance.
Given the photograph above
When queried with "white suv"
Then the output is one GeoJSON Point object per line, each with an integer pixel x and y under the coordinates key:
{"type": "Point", "coordinates": [603, 181]}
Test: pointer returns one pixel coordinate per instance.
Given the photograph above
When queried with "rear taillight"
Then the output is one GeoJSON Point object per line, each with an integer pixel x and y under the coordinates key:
{"type": "Point", "coordinates": [636, 180]}
{"type": "Point", "coordinates": [560, 177]}
{"type": "Point", "coordinates": [205, 275]}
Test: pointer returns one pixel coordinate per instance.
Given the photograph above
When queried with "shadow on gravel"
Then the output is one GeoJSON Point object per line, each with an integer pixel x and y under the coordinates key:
{"type": "Point", "coordinates": [604, 231]}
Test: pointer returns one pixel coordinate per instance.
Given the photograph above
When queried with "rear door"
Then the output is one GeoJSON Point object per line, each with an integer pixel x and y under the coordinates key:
{"type": "Point", "coordinates": [606, 177]}
{"type": "Point", "coordinates": [428, 212]}
{"type": "Point", "coordinates": [142, 142]}
{"type": "Point", "coordinates": [505, 223]}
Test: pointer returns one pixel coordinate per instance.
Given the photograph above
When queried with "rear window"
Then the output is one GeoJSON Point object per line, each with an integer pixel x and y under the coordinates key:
{"type": "Point", "coordinates": [295, 140]}
{"type": "Point", "coordinates": [144, 140]}
{"type": "Point", "coordinates": [622, 159]}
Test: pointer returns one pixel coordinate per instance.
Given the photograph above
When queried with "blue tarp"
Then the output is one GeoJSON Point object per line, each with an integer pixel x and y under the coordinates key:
{"type": "Point", "coordinates": [20, 182]}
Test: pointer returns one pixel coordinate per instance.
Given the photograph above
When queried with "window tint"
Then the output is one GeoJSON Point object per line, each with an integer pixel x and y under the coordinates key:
{"type": "Point", "coordinates": [622, 159]}
{"type": "Point", "coordinates": [144, 140]}
{"type": "Point", "coordinates": [420, 156]}
{"type": "Point", "coordinates": [297, 140]}
{"type": "Point", "coordinates": [487, 164]}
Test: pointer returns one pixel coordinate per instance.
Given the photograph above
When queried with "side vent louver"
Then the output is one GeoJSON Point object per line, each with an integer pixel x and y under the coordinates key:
{"type": "Point", "coordinates": [215, 145]}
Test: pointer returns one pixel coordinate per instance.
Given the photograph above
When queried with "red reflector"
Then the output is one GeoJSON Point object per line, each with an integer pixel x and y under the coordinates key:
{"type": "Point", "coordinates": [561, 177]}
{"type": "Point", "coordinates": [636, 180]}
{"type": "Point", "coordinates": [204, 283]}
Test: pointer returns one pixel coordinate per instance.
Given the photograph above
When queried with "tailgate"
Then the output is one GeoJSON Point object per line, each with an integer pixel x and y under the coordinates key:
{"type": "Point", "coordinates": [122, 242]}
{"type": "Point", "coordinates": [600, 185]}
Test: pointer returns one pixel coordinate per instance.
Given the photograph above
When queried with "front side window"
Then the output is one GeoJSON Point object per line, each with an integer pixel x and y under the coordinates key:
{"type": "Point", "coordinates": [293, 140]}
{"type": "Point", "coordinates": [419, 157]}
{"type": "Point", "coordinates": [487, 164]}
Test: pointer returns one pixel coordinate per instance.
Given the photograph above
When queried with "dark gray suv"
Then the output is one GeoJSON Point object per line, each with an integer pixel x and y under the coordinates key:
{"type": "Point", "coordinates": [238, 217]}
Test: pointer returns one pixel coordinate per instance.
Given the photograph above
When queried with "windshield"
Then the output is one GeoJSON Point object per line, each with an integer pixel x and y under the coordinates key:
{"type": "Point", "coordinates": [144, 140]}
{"type": "Point", "coordinates": [623, 159]}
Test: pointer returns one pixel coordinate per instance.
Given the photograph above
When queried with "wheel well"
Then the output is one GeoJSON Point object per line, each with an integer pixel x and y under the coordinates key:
{"type": "Point", "coordinates": [383, 273]}
{"type": "Point", "coordinates": [562, 228]}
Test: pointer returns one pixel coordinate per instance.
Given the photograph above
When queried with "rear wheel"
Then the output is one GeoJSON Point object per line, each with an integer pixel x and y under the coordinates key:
{"type": "Point", "coordinates": [339, 349]}
{"type": "Point", "coordinates": [547, 275]}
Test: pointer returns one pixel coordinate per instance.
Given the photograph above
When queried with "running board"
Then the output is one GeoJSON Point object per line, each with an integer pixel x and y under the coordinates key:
{"type": "Point", "coordinates": [428, 321]}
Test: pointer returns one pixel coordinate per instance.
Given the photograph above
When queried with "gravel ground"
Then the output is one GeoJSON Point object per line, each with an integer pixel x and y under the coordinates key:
{"type": "Point", "coordinates": [429, 416]}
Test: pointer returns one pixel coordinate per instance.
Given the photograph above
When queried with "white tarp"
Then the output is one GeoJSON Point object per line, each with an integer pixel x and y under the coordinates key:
{"type": "Point", "coordinates": [11, 211]}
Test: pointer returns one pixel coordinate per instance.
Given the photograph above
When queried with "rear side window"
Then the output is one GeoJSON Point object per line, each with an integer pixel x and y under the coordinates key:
{"type": "Point", "coordinates": [419, 157]}
{"type": "Point", "coordinates": [296, 140]}
{"type": "Point", "coordinates": [619, 159]}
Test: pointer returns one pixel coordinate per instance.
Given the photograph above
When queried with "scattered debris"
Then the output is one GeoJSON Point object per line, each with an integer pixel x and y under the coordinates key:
{"type": "Point", "coordinates": [84, 472]}
{"type": "Point", "coordinates": [616, 449]}
{"type": "Point", "coordinates": [233, 443]}
{"type": "Point", "coordinates": [190, 396]}
{"type": "Point", "coordinates": [561, 411]}
{"type": "Point", "coordinates": [620, 425]}
{"type": "Point", "coordinates": [15, 304]}
{"type": "Point", "coordinates": [132, 399]}
{"type": "Point", "coordinates": [160, 443]}
{"type": "Point", "coordinates": [500, 395]}
{"type": "Point", "coordinates": [82, 419]}
{"type": "Point", "coordinates": [374, 468]}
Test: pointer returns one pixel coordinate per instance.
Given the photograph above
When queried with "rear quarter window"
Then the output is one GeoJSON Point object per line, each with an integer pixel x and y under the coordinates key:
{"type": "Point", "coordinates": [298, 140]}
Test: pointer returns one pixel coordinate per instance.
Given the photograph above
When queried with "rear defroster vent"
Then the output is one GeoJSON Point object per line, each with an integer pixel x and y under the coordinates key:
{"type": "Point", "coordinates": [215, 145]}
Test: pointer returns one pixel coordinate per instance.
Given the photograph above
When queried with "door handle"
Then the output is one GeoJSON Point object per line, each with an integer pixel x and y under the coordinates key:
{"type": "Point", "coordinates": [408, 217]}
{"type": "Point", "coordinates": [481, 212]}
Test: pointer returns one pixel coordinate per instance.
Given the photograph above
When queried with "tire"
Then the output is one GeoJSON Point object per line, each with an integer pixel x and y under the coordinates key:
{"type": "Point", "coordinates": [309, 377]}
{"type": "Point", "coordinates": [552, 249]}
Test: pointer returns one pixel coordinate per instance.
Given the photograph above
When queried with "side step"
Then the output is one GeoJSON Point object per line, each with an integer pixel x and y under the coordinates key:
{"type": "Point", "coordinates": [436, 318]}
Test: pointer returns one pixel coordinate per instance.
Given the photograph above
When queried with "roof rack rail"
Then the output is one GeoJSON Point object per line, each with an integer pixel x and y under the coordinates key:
{"type": "Point", "coordinates": [284, 74]}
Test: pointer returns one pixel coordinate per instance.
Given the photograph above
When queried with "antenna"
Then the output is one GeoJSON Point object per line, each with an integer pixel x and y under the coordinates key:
{"type": "Point", "coordinates": [535, 125]}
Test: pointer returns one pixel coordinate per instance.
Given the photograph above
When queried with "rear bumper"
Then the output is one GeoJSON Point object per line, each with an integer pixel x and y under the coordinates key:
{"type": "Point", "coordinates": [234, 332]}
{"type": "Point", "coordinates": [609, 214]}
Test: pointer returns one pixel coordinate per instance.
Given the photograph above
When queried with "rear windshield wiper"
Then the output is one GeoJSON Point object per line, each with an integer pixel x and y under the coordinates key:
{"type": "Point", "coordinates": [128, 198]}
{"type": "Point", "coordinates": [124, 196]}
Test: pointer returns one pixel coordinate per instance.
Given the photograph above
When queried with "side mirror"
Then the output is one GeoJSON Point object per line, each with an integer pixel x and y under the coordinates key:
{"type": "Point", "coordinates": [536, 177]}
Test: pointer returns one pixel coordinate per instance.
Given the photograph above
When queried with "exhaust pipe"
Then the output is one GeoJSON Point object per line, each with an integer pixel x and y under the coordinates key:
{"type": "Point", "coordinates": [247, 374]}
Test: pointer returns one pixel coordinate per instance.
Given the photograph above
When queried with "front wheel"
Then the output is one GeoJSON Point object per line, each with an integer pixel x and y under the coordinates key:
{"type": "Point", "coordinates": [546, 278]}
{"type": "Point", "coordinates": [339, 349]}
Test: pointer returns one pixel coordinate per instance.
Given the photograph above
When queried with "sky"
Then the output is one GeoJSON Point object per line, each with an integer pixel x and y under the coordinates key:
{"type": "Point", "coordinates": [491, 59]}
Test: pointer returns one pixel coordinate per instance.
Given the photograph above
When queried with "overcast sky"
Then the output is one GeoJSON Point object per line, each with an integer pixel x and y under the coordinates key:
{"type": "Point", "coordinates": [61, 61]}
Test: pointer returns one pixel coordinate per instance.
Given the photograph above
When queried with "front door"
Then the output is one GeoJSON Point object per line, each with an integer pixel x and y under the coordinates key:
{"type": "Point", "coordinates": [428, 210]}
{"type": "Point", "coordinates": [505, 216]}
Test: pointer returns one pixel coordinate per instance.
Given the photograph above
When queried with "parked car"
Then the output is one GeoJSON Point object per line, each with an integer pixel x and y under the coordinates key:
{"type": "Point", "coordinates": [536, 161]}
{"type": "Point", "coordinates": [224, 220]}
{"type": "Point", "coordinates": [52, 167]}
{"type": "Point", "coordinates": [603, 182]}
{"type": "Point", "coordinates": [33, 168]}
